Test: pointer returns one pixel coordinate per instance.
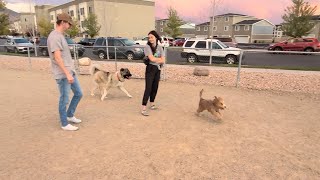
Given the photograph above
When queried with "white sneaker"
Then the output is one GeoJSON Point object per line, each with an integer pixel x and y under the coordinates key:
{"type": "Point", "coordinates": [69, 127]}
{"type": "Point", "coordinates": [74, 119]}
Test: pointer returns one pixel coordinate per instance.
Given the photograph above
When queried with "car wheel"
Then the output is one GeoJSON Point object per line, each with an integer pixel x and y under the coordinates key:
{"type": "Point", "coordinates": [192, 58]}
{"type": "Point", "coordinates": [231, 59]}
{"type": "Point", "coordinates": [278, 49]}
{"type": "Point", "coordinates": [130, 56]}
{"type": "Point", "coordinates": [102, 55]}
{"type": "Point", "coordinates": [309, 50]}
{"type": "Point", "coordinates": [16, 50]}
{"type": "Point", "coordinates": [44, 52]}
{"type": "Point", "coordinates": [6, 49]}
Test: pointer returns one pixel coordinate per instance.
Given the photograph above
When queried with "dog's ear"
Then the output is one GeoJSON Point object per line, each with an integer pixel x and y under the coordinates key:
{"type": "Point", "coordinates": [215, 97]}
{"type": "Point", "coordinates": [121, 69]}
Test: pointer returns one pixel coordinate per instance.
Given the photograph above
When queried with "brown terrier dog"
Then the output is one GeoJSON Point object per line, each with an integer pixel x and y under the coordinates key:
{"type": "Point", "coordinates": [213, 106]}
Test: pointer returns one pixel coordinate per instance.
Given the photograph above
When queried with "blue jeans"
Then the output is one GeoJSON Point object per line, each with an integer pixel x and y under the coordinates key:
{"type": "Point", "coordinates": [64, 88]}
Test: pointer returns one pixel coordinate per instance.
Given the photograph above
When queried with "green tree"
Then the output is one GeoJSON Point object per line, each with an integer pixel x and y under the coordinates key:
{"type": "Point", "coordinates": [91, 25]}
{"type": "Point", "coordinates": [4, 20]}
{"type": "Point", "coordinates": [298, 19]}
{"type": "Point", "coordinates": [74, 29]}
{"type": "Point", "coordinates": [173, 24]}
{"type": "Point", "coordinates": [45, 27]}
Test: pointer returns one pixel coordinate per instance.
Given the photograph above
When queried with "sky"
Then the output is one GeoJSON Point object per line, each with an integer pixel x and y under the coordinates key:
{"type": "Point", "coordinates": [199, 11]}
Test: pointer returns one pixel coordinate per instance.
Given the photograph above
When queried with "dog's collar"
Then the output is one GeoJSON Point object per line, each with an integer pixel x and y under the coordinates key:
{"type": "Point", "coordinates": [119, 77]}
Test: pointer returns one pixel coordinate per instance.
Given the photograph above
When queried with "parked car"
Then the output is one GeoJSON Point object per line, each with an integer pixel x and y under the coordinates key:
{"type": "Point", "coordinates": [18, 45]}
{"type": "Point", "coordinates": [166, 41]}
{"type": "Point", "coordinates": [142, 41]}
{"type": "Point", "coordinates": [119, 47]}
{"type": "Point", "coordinates": [179, 42]}
{"type": "Point", "coordinates": [87, 41]}
{"type": "Point", "coordinates": [196, 50]}
{"type": "Point", "coordinates": [227, 41]}
{"type": "Point", "coordinates": [296, 44]}
{"type": "Point", "coordinates": [43, 48]}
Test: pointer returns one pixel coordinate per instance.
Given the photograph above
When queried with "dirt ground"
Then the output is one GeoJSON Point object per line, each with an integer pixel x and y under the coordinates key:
{"type": "Point", "coordinates": [264, 134]}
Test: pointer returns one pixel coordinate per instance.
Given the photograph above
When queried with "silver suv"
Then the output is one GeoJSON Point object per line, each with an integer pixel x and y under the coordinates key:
{"type": "Point", "coordinates": [18, 45]}
{"type": "Point", "coordinates": [197, 49]}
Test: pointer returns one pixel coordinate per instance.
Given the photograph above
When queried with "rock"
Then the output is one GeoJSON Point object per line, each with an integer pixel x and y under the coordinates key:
{"type": "Point", "coordinates": [201, 71]}
{"type": "Point", "coordinates": [84, 61]}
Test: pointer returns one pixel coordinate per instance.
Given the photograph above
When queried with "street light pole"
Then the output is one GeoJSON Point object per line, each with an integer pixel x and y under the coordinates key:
{"type": "Point", "coordinates": [212, 25]}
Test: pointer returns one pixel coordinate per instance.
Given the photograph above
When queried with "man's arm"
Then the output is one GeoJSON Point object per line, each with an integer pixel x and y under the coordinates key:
{"type": "Point", "coordinates": [59, 60]}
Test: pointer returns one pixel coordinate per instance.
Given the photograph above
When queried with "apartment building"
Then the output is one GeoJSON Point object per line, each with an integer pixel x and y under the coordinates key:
{"type": "Point", "coordinates": [42, 12]}
{"type": "Point", "coordinates": [202, 30]}
{"type": "Point", "coordinates": [124, 18]}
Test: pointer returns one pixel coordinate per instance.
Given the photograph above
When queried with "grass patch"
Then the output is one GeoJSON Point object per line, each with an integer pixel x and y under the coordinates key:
{"type": "Point", "coordinates": [13, 54]}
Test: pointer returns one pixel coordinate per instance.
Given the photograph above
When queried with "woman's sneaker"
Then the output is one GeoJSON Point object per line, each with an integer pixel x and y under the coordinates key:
{"type": "Point", "coordinates": [70, 127]}
{"type": "Point", "coordinates": [74, 120]}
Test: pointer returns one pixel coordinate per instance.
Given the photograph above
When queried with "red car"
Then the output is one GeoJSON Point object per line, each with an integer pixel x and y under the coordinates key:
{"type": "Point", "coordinates": [179, 42]}
{"type": "Point", "coordinates": [296, 44]}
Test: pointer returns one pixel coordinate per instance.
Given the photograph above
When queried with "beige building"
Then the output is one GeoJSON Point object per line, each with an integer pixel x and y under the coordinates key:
{"type": "Point", "coordinates": [42, 12]}
{"type": "Point", "coordinates": [187, 29]}
{"type": "Point", "coordinates": [27, 22]}
{"type": "Point", "coordinates": [124, 18]}
{"type": "Point", "coordinates": [202, 30]}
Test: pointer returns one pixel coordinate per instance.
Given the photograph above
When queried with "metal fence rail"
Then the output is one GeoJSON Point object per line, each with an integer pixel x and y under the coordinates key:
{"type": "Point", "coordinates": [178, 55]}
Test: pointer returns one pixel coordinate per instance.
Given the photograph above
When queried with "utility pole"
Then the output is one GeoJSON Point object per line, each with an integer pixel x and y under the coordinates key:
{"type": "Point", "coordinates": [33, 23]}
{"type": "Point", "coordinates": [212, 25]}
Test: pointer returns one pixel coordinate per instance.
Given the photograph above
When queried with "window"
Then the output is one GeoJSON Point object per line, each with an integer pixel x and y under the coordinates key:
{"type": "Point", "coordinates": [214, 45]}
{"type": "Point", "coordinates": [198, 28]}
{"type": "Point", "coordinates": [118, 43]}
{"type": "Point", "coordinates": [99, 42]}
{"type": "Point", "coordinates": [206, 28]}
{"type": "Point", "coordinates": [25, 19]}
{"type": "Point", "coordinates": [90, 10]}
{"type": "Point", "coordinates": [189, 43]}
{"type": "Point", "coordinates": [82, 24]}
{"type": "Point", "coordinates": [81, 11]}
{"type": "Point", "coordinates": [226, 19]}
{"type": "Point", "coordinates": [226, 28]}
{"type": "Point", "coordinates": [161, 29]}
{"type": "Point", "coordinates": [214, 28]}
{"type": "Point", "coordinates": [237, 28]}
{"type": "Point", "coordinates": [246, 28]}
{"type": "Point", "coordinates": [161, 23]}
{"type": "Point", "coordinates": [51, 17]}
{"type": "Point", "coordinates": [201, 44]}
{"type": "Point", "coordinates": [215, 19]}
{"type": "Point", "coordinates": [71, 13]}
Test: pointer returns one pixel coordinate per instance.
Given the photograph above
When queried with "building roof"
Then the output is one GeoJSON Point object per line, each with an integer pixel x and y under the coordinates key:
{"type": "Point", "coordinates": [248, 22]}
{"type": "Point", "coordinates": [232, 14]}
{"type": "Point", "coordinates": [204, 24]}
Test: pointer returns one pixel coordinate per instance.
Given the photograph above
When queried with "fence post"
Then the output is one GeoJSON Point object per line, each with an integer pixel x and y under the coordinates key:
{"type": "Point", "coordinates": [29, 58]}
{"type": "Point", "coordinates": [35, 49]}
{"type": "Point", "coordinates": [165, 63]}
{"type": "Point", "coordinates": [239, 69]}
{"type": "Point", "coordinates": [76, 62]}
{"type": "Point", "coordinates": [115, 58]}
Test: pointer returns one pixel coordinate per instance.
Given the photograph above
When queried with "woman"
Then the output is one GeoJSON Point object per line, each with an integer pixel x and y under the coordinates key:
{"type": "Point", "coordinates": [155, 54]}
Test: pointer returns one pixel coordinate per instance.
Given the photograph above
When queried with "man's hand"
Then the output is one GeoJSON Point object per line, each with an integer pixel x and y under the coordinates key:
{"type": "Point", "coordinates": [70, 78]}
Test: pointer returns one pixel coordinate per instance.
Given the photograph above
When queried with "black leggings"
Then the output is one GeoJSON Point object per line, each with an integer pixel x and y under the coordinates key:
{"type": "Point", "coordinates": [152, 77]}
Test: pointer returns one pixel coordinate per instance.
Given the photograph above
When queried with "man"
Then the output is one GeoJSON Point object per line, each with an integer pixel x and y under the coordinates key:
{"type": "Point", "coordinates": [64, 72]}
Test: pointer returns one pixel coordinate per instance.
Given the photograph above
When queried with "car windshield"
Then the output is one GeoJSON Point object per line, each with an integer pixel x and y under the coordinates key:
{"type": "Point", "coordinates": [21, 40]}
{"type": "Point", "coordinates": [222, 44]}
{"type": "Point", "coordinates": [69, 41]}
{"type": "Point", "coordinates": [128, 42]}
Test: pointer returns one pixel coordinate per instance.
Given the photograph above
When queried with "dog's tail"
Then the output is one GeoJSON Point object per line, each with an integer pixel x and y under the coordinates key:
{"type": "Point", "coordinates": [94, 68]}
{"type": "Point", "coordinates": [201, 93]}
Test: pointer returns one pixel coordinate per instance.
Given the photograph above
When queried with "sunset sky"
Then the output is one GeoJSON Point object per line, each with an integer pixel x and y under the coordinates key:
{"type": "Point", "coordinates": [199, 11]}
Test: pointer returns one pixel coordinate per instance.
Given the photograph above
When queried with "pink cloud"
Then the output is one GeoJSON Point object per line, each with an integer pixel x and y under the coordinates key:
{"type": "Point", "coordinates": [200, 10]}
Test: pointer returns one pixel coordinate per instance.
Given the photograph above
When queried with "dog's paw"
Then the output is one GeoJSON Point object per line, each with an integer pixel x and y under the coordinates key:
{"type": "Point", "coordinates": [92, 94]}
{"type": "Point", "coordinates": [129, 96]}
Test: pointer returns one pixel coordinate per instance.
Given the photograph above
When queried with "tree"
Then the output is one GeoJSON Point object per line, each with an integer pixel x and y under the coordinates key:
{"type": "Point", "coordinates": [74, 29]}
{"type": "Point", "coordinates": [4, 20]}
{"type": "Point", "coordinates": [91, 25]}
{"type": "Point", "coordinates": [173, 24]}
{"type": "Point", "coordinates": [298, 19]}
{"type": "Point", "coordinates": [45, 27]}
